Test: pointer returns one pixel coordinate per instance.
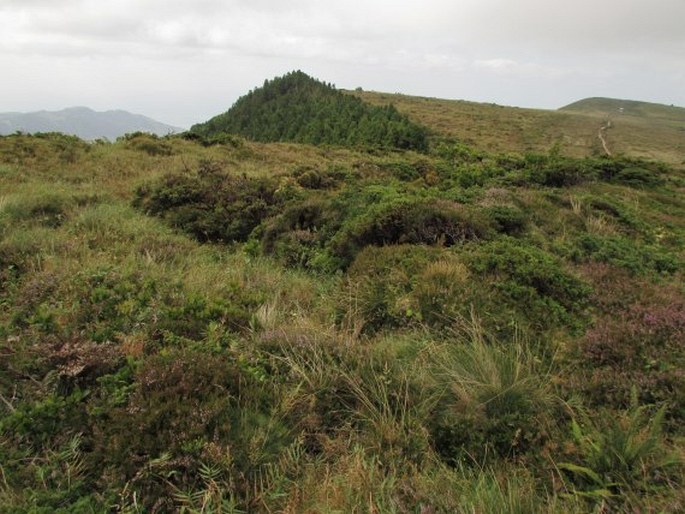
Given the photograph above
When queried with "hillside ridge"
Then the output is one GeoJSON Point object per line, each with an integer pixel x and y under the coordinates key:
{"type": "Point", "coordinates": [656, 133]}
{"type": "Point", "coordinates": [627, 107]}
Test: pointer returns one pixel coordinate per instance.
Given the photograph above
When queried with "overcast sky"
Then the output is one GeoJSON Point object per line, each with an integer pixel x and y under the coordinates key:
{"type": "Point", "coordinates": [182, 62]}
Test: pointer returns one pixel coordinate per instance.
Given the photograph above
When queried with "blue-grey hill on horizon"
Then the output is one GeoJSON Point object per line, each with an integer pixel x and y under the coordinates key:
{"type": "Point", "coordinates": [83, 122]}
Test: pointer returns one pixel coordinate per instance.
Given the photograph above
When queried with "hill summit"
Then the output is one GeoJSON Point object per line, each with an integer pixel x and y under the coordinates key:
{"type": "Point", "coordinates": [627, 107]}
{"type": "Point", "coordinates": [301, 109]}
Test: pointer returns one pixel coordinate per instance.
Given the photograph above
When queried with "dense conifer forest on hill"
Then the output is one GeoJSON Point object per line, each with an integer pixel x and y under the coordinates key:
{"type": "Point", "coordinates": [214, 323]}
{"type": "Point", "coordinates": [300, 109]}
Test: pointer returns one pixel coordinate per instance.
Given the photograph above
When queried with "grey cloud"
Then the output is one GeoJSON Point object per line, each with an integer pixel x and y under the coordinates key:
{"type": "Point", "coordinates": [520, 52]}
{"type": "Point", "coordinates": [582, 23]}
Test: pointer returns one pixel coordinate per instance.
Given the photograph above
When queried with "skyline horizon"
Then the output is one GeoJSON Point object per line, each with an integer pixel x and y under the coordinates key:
{"type": "Point", "coordinates": [187, 126]}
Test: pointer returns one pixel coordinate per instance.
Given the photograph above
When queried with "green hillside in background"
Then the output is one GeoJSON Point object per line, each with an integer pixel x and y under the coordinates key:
{"type": "Point", "coordinates": [298, 108]}
{"type": "Point", "coordinates": [649, 131]}
{"type": "Point", "coordinates": [628, 107]}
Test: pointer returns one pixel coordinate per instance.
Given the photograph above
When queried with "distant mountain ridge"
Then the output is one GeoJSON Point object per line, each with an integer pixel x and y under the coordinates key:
{"type": "Point", "coordinates": [83, 122]}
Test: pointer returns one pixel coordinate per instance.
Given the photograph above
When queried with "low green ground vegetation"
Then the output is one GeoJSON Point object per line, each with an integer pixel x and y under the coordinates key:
{"type": "Point", "coordinates": [275, 327]}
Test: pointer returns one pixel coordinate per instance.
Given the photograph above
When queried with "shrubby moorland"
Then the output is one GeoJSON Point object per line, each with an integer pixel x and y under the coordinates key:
{"type": "Point", "coordinates": [213, 324]}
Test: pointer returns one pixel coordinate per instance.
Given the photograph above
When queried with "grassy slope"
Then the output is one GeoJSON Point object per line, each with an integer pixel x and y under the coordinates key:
{"type": "Point", "coordinates": [347, 399]}
{"type": "Point", "coordinates": [648, 130]}
{"type": "Point", "coordinates": [628, 108]}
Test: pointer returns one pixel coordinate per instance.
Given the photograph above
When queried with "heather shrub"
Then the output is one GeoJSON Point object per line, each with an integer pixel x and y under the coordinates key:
{"type": "Point", "coordinates": [112, 303]}
{"type": "Point", "coordinates": [532, 281]}
{"type": "Point", "coordinates": [190, 318]}
{"type": "Point", "coordinates": [473, 175]}
{"type": "Point", "coordinates": [54, 147]}
{"type": "Point", "coordinates": [624, 252]}
{"type": "Point", "coordinates": [298, 248]}
{"type": "Point", "coordinates": [403, 171]}
{"type": "Point", "coordinates": [562, 173]}
{"type": "Point", "coordinates": [507, 219]}
{"type": "Point", "coordinates": [193, 407]}
{"type": "Point", "coordinates": [638, 176]}
{"type": "Point", "coordinates": [42, 422]}
{"type": "Point", "coordinates": [163, 423]}
{"type": "Point", "coordinates": [311, 178]}
{"type": "Point", "coordinates": [309, 215]}
{"type": "Point", "coordinates": [211, 205]}
{"type": "Point", "coordinates": [635, 343]}
{"type": "Point", "coordinates": [380, 282]}
{"type": "Point", "coordinates": [297, 235]}
{"type": "Point", "coordinates": [69, 148]}
{"type": "Point", "coordinates": [79, 364]}
{"type": "Point", "coordinates": [151, 144]}
{"type": "Point", "coordinates": [440, 223]}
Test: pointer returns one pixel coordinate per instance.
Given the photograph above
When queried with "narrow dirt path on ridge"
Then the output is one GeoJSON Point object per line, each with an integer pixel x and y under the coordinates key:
{"type": "Point", "coordinates": [601, 134]}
